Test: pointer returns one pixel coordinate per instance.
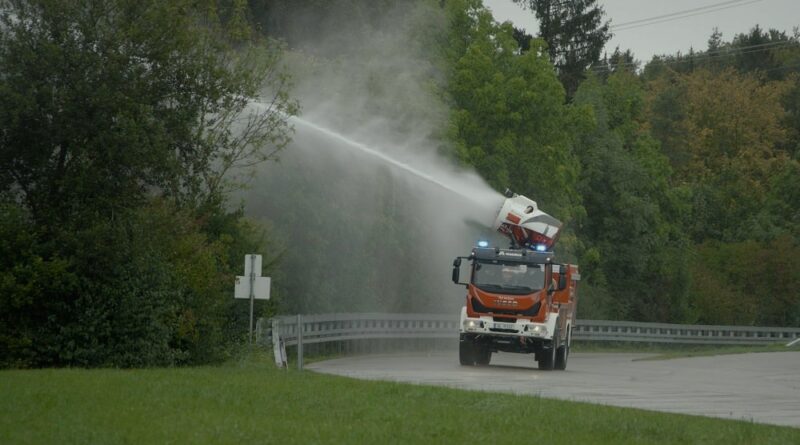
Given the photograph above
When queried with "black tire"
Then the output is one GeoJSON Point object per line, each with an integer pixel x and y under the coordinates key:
{"type": "Point", "coordinates": [548, 360]}
{"type": "Point", "coordinates": [483, 355]}
{"type": "Point", "coordinates": [466, 353]}
{"type": "Point", "coordinates": [562, 354]}
{"type": "Point", "coordinates": [548, 357]}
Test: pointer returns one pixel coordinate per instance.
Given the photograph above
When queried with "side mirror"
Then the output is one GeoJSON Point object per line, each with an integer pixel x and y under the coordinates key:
{"type": "Point", "coordinates": [456, 269]}
{"type": "Point", "coordinates": [457, 272]}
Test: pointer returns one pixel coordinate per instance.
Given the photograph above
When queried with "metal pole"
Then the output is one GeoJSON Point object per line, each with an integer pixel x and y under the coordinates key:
{"type": "Point", "coordinates": [252, 294]}
{"type": "Point", "coordinates": [299, 342]}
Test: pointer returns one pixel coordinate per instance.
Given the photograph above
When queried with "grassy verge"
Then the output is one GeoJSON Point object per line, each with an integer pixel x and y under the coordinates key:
{"type": "Point", "coordinates": [723, 350]}
{"type": "Point", "coordinates": [252, 401]}
{"type": "Point", "coordinates": [666, 351]}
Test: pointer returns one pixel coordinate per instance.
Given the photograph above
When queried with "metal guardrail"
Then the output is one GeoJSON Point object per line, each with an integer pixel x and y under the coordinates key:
{"type": "Point", "coordinates": [602, 330]}
{"type": "Point", "coordinates": [369, 326]}
{"type": "Point", "coordinates": [342, 327]}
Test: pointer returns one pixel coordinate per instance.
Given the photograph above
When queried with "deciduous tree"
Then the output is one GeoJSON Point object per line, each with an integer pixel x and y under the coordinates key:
{"type": "Point", "coordinates": [121, 123]}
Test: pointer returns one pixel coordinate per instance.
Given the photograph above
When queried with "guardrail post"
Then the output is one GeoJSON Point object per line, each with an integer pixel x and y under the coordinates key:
{"type": "Point", "coordinates": [299, 342]}
{"type": "Point", "coordinates": [278, 346]}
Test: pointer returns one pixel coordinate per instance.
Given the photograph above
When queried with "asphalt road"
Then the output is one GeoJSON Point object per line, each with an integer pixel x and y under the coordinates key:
{"type": "Point", "coordinates": [762, 387]}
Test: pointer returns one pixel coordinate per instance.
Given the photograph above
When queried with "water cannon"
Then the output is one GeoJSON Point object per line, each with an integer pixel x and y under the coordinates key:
{"type": "Point", "coordinates": [525, 225]}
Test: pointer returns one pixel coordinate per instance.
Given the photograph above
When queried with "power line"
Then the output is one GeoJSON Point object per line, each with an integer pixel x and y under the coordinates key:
{"type": "Point", "coordinates": [681, 14]}
{"type": "Point", "coordinates": [721, 52]}
{"type": "Point", "coordinates": [633, 22]}
{"type": "Point", "coordinates": [708, 55]}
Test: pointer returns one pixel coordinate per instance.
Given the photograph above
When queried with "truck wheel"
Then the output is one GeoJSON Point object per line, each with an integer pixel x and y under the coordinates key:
{"type": "Point", "coordinates": [548, 360]}
{"type": "Point", "coordinates": [483, 355]}
{"type": "Point", "coordinates": [562, 354]}
{"type": "Point", "coordinates": [466, 353]}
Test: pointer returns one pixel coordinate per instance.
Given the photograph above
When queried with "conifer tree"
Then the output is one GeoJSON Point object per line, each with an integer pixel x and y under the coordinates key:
{"type": "Point", "coordinates": [575, 34]}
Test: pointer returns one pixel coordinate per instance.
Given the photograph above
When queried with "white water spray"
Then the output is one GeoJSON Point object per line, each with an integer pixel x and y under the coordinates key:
{"type": "Point", "coordinates": [477, 201]}
{"type": "Point", "coordinates": [384, 230]}
{"type": "Point", "coordinates": [465, 184]}
{"type": "Point", "coordinates": [381, 156]}
{"type": "Point", "coordinates": [378, 214]}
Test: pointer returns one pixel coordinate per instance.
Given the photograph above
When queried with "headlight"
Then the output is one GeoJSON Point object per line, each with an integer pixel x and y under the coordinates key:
{"type": "Point", "coordinates": [539, 330]}
{"type": "Point", "coordinates": [472, 324]}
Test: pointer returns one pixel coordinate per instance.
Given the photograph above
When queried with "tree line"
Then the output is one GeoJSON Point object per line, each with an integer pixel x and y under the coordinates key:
{"type": "Point", "coordinates": [679, 179]}
{"type": "Point", "coordinates": [125, 125]}
{"type": "Point", "coordinates": [122, 126]}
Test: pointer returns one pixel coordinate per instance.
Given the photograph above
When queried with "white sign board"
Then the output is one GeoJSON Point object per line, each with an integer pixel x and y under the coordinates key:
{"type": "Point", "coordinates": [261, 288]}
{"type": "Point", "coordinates": [248, 264]}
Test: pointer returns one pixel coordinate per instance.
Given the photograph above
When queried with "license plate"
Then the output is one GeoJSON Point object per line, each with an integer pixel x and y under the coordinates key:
{"type": "Point", "coordinates": [505, 326]}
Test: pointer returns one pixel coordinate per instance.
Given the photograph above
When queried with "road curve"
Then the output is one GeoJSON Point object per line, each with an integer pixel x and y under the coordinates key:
{"type": "Point", "coordinates": [761, 387]}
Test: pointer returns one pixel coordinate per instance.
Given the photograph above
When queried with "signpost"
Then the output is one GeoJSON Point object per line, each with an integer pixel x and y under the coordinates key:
{"type": "Point", "coordinates": [252, 285]}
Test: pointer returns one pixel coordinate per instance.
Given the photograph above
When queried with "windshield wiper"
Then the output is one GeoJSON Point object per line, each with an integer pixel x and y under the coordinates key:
{"type": "Point", "coordinates": [487, 286]}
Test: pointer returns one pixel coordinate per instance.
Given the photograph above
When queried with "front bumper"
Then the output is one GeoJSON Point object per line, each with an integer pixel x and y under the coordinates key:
{"type": "Point", "coordinates": [519, 328]}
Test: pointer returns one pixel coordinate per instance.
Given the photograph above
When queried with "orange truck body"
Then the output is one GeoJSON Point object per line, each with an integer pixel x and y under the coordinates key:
{"type": "Point", "coordinates": [519, 300]}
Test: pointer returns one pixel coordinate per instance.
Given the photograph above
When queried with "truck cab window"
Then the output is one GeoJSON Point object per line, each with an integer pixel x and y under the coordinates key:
{"type": "Point", "coordinates": [509, 277]}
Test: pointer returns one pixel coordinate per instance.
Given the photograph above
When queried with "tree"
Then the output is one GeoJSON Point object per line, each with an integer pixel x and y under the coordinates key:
{"type": "Point", "coordinates": [727, 120]}
{"type": "Point", "coordinates": [124, 123]}
{"type": "Point", "coordinates": [747, 283]}
{"type": "Point", "coordinates": [634, 249]}
{"type": "Point", "coordinates": [575, 34]}
{"type": "Point", "coordinates": [723, 133]}
{"type": "Point", "coordinates": [103, 106]}
{"type": "Point", "coordinates": [618, 61]}
{"type": "Point", "coordinates": [523, 39]}
{"type": "Point", "coordinates": [509, 118]}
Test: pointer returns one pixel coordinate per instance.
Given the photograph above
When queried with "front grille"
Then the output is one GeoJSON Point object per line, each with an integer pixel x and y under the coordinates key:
{"type": "Point", "coordinates": [530, 312]}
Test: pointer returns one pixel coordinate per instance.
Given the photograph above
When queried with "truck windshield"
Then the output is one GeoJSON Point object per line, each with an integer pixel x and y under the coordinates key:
{"type": "Point", "coordinates": [508, 278]}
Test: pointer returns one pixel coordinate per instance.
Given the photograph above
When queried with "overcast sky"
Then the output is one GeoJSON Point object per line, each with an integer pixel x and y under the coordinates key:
{"type": "Point", "coordinates": [673, 34]}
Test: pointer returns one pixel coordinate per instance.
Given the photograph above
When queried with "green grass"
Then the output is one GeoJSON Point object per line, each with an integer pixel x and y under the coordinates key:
{"type": "Point", "coordinates": [723, 350]}
{"type": "Point", "coordinates": [666, 351]}
{"type": "Point", "coordinates": [252, 402]}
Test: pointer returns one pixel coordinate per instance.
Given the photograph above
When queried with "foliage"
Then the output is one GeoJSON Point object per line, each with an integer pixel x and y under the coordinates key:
{"type": "Point", "coordinates": [147, 101]}
{"type": "Point", "coordinates": [30, 289]}
{"type": "Point", "coordinates": [149, 288]}
{"type": "Point", "coordinates": [723, 133]}
{"type": "Point", "coordinates": [748, 283]}
{"type": "Point", "coordinates": [726, 120]}
{"type": "Point", "coordinates": [646, 167]}
{"type": "Point", "coordinates": [630, 228]}
{"type": "Point", "coordinates": [125, 123]}
{"type": "Point", "coordinates": [575, 34]}
{"type": "Point", "coordinates": [508, 113]}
